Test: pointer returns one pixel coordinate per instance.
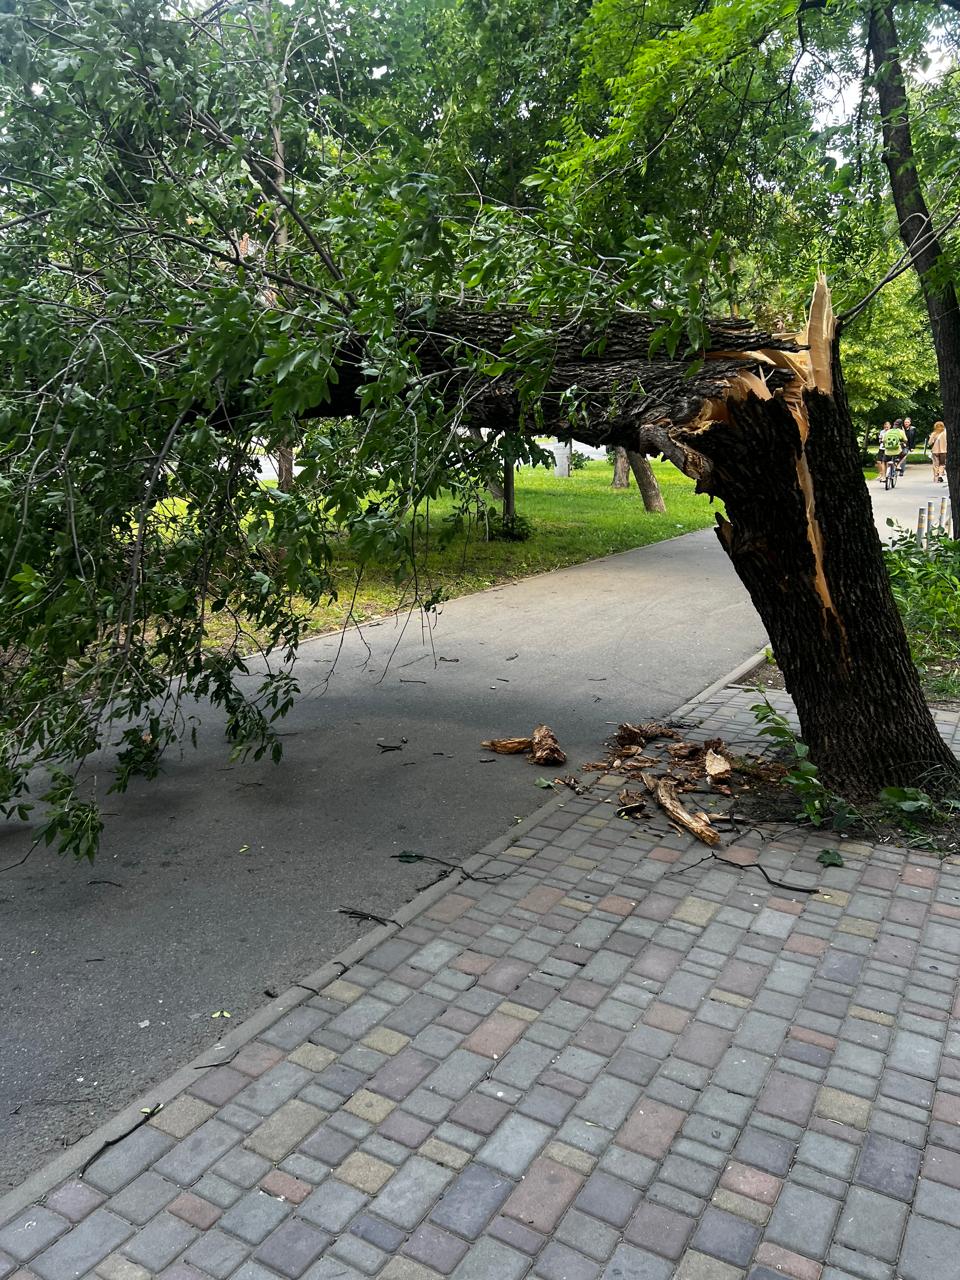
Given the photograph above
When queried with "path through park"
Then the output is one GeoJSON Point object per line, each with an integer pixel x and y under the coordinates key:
{"type": "Point", "coordinates": [218, 883]}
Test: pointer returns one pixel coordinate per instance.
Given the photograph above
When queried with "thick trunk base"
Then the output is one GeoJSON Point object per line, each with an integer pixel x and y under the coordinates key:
{"type": "Point", "coordinates": [801, 536]}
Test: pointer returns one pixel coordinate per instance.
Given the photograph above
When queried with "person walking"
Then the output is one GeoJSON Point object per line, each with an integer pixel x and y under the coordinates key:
{"type": "Point", "coordinates": [938, 451]}
{"type": "Point", "coordinates": [911, 432]}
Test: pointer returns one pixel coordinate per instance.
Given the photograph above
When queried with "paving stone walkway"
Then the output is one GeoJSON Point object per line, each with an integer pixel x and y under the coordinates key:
{"type": "Point", "coordinates": [611, 1056]}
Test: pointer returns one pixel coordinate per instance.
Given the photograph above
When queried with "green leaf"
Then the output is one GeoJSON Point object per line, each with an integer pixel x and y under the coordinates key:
{"type": "Point", "coordinates": [545, 783]}
{"type": "Point", "coordinates": [830, 858]}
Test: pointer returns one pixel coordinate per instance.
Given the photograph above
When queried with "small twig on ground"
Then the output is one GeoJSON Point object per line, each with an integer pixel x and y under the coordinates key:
{"type": "Point", "coordinates": [112, 1142]}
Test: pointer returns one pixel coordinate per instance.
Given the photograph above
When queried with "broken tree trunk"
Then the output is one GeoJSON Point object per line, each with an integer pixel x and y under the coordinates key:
{"type": "Point", "coordinates": [761, 421]}
{"type": "Point", "coordinates": [799, 531]}
{"type": "Point", "coordinates": [621, 469]}
{"type": "Point", "coordinates": [646, 481]}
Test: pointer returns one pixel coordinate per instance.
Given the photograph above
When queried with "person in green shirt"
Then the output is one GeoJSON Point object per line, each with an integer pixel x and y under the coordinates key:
{"type": "Point", "coordinates": [893, 444]}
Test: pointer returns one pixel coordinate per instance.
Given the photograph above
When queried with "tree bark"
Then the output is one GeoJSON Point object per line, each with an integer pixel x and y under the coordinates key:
{"type": "Point", "coordinates": [509, 490]}
{"type": "Point", "coordinates": [285, 469]}
{"type": "Point", "coordinates": [285, 474]}
{"type": "Point", "coordinates": [917, 229]}
{"type": "Point", "coordinates": [801, 536]}
{"type": "Point", "coordinates": [621, 469]}
{"type": "Point", "coordinates": [646, 481]}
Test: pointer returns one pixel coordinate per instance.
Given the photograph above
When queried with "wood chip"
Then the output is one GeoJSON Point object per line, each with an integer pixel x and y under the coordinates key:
{"type": "Point", "coordinates": [718, 767]}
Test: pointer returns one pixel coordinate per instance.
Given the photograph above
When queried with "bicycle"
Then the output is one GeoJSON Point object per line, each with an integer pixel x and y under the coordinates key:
{"type": "Point", "coordinates": [890, 475]}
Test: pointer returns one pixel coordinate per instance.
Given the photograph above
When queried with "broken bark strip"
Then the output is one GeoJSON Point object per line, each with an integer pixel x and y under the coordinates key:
{"type": "Point", "coordinates": [664, 791]}
{"type": "Point", "coordinates": [541, 747]}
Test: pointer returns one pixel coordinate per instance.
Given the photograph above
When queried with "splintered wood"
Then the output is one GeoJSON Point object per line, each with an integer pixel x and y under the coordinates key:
{"type": "Point", "coordinates": [541, 747]}
{"type": "Point", "coordinates": [664, 791]}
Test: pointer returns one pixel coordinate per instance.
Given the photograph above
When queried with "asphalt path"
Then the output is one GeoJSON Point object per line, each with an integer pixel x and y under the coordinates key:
{"type": "Point", "coordinates": [915, 489]}
{"type": "Point", "coordinates": [217, 883]}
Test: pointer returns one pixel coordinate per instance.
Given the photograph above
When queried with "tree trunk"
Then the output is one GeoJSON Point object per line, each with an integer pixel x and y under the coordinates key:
{"type": "Point", "coordinates": [917, 230]}
{"type": "Point", "coordinates": [285, 469]}
{"type": "Point", "coordinates": [621, 468]}
{"type": "Point", "coordinates": [509, 490]}
{"type": "Point", "coordinates": [646, 481]}
{"type": "Point", "coordinates": [802, 539]}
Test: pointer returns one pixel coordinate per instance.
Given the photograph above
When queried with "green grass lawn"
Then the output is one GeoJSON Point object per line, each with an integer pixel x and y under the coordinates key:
{"type": "Point", "coordinates": [574, 519]}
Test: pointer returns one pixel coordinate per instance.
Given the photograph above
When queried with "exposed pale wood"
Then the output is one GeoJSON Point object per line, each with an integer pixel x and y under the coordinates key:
{"type": "Point", "coordinates": [664, 791]}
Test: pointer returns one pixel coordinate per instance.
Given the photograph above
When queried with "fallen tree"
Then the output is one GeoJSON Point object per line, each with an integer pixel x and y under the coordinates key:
{"type": "Point", "coordinates": [760, 421]}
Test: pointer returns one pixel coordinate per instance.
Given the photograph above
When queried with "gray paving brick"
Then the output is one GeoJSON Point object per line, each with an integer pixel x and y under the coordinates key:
{"type": "Point", "coordinates": [608, 1101]}
{"type": "Point", "coordinates": [292, 1247]}
{"type": "Point", "coordinates": [365, 1257]}
{"type": "Point", "coordinates": [377, 1232]}
{"type": "Point", "coordinates": [332, 1205]}
{"type": "Point", "coordinates": [83, 1248]}
{"type": "Point", "coordinates": [514, 1144]}
{"type": "Point", "coordinates": [934, 1200]}
{"type": "Point", "coordinates": [256, 1214]}
{"type": "Point", "coordinates": [294, 1027]}
{"type": "Point", "coordinates": [588, 1235]}
{"type": "Point", "coordinates": [829, 1155]}
{"type": "Point", "coordinates": [144, 1197]}
{"type": "Point", "coordinates": [326, 1269]}
{"type": "Point", "coordinates": [158, 1243]}
{"type": "Point", "coordinates": [888, 1167]}
{"type": "Point", "coordinates": [608, 1198]}
{"type": "Point", "coordinates": [411, 1192]}
{"type": "Point", "coordinates": [872, 1224]}
{"type": "Point", "coordinates": [469, 1204]}
{"type": "Point", "coordinates": [765, 1150]}
{"type": "Point", "coordinates": [195, 1154]}
{"type": "Point", "coordinates": [930, 1249]}
{"type": "Point", "coordinates": [489, 1258]}
{"type": "Point", "coordinates": [727, 1237]}
{"type": "Point", "coordinates": [275, 1087]}
{"type": "Point", "coordinates": [242, 1167]}
{"type": "Point", "coordinates": [435, 1248]}
{"type": "Point", "coordinates": [803, 1220]}
{"type": "Point", "coordinates": [523, 1064]}
{"type": "Point", "coordinates": [557, 1262]}
{"type": "Point", "coordinates": [663, 1230]}
{"type": "Point", "coordinates": [628, 1165]}
{"type": "Point", "coordinates": [216, 1253]}
{"type": "Point", "coordinates": [630, 1263]}
{"type": "Point", "coordinates": [130, 1157]}
{"type": "Point", "coordinates": [914, 1055]}
{"type": "Point", "coordinates": [742, 1071]}
{"type": "Point", "coordinates": [458, 1075]}
{"type": "Point", "coordinates": [31, 1231]}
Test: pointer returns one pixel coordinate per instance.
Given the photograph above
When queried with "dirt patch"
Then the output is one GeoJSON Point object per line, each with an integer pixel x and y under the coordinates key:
{"type": "Point", "coordinates": [765, 675]}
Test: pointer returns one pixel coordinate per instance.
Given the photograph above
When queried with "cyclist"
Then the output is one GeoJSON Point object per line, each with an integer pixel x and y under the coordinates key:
{"type": "Point", "coordinates": [881, 456]}
{"type": "Point", "coordinates": [894, 446]}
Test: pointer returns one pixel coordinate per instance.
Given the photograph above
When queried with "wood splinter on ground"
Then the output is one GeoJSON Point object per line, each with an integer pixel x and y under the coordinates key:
{"type": "Point", "coordinates": [541, 747]}
{"type": "Point", "coordinates": [718, 767]}
{"type": "Point", "coordinates": [664, 791]}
